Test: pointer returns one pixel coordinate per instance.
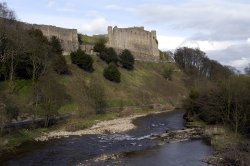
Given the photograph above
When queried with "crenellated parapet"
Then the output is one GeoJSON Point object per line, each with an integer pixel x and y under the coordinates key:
{"type": "Point", "coordinates": [143, 44]}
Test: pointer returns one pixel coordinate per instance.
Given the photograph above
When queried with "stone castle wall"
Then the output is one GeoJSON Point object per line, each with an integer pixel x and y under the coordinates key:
{"type": "Point", "coordinates": [88, 48]}
{"type": "Point", "coordinates": [67, 37]}
{"type": "Point", "coordinates": [143, 44]}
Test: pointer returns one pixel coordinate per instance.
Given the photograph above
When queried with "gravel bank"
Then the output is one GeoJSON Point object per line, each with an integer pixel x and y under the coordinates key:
{"type": "Point", "coordinates": [119, 125]}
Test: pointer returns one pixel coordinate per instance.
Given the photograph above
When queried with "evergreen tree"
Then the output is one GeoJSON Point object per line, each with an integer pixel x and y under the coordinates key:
{"type": "Point", "coordinates": [127, 59]}
{"type": "Point", "coordinates": [111, 73]}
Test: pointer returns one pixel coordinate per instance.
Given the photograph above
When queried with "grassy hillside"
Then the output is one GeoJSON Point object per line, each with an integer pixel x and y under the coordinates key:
{"type": "Point", "coordinates": [92, 40]}
{"type": "Point", "coordinates": [142, 86]}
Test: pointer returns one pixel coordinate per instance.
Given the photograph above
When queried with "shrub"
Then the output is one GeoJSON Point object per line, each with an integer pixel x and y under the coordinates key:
{"type": "Point", "coordinates": [194, 94]}
{"type": "Point", "coordinates": [75, 56]}
{"type": "Point", "coordinates": [109, 55]}
{"type": "Point", "coordinates": [56, 45]}
{"type": "Point", "coordinates": [82, 60]}
{"type": "Point", "coordinates": [103, 55]}
{"type": "Point", "coordinates": [24, 68]}
{"type": "Point", "coordinates": [112, 73]}
{"type": "Point", "coordinates": [127, 59]}
{"type": "Point", "coordinates": [99, 46]}
{"type": "Point", "coordinates": [112, 56]}
{"type": "Point", "coordinates": [60, 65]}
{"type": "Point", "coordinates": [12, 111]}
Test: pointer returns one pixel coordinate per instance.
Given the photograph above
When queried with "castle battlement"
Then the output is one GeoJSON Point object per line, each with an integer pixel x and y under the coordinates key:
{"type": "Point", "coordinates": [143, 44]}
{"type": "Point", "coordinates": [67, 37]}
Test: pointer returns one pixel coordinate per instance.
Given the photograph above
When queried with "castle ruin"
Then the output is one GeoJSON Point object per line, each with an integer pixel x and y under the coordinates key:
{"type": "Point", "coordinates": [67, 37]}
{"type": "Point", "coordinates": [142, 44]}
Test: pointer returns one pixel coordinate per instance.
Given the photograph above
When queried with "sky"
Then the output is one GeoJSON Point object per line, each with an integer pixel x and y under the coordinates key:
{"type": "Point", "coordinates": [221, 28]}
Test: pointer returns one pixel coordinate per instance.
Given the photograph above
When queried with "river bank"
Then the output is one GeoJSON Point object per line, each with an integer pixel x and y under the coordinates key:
{"type": "Point", "coordinates": [230, 148]}
{"type": "Point", "coordinates": [154, 136]}
{"type": "Point", "coordinates": [118, 125]}
{"type": "Point", "coordinates": [110, 122]}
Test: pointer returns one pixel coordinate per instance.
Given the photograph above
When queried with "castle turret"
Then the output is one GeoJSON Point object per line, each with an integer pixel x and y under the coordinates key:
{"type": "Point", "coordinates": [109, 29]}
{"type": "Point", "coordinates": [110, 34]}
{"type": "Point", "coordinates": [153, 33]}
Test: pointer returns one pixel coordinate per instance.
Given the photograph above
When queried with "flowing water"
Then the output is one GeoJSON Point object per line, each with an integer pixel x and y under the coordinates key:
{"type": "Point", "coordinates": [135, 146]}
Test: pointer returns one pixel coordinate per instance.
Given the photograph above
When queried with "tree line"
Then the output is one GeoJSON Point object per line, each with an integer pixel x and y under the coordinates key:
{"type": "Point", "coordinates": [26, 54]}
{"type": "Point", "coordinates": [195, 63]}
{"type": "Point", "coordinates": [224, 96]}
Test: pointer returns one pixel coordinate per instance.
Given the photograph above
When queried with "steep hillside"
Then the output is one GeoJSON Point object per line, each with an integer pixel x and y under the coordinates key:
{"type": "Point", "coordinates": [144, 85]}
{"type": "Point", "coordinates": [137, 91]}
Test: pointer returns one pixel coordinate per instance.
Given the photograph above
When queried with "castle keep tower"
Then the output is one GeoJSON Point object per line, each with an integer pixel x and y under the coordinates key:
{"type": "Point", "coordinates": [142, 44]}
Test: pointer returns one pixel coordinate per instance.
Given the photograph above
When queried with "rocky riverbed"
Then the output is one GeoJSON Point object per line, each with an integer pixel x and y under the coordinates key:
{"type": "Point", "coordinates": [147, 134]}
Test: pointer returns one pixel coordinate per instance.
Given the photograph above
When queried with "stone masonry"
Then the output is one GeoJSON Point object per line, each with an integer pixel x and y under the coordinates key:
{"type": "Point", "coordinates": [67, 37]}
{"type": "Point", "coordinates": [142, 44]}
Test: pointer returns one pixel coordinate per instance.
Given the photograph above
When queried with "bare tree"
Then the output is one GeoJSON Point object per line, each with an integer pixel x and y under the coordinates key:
{"type": "Point", "coordinates": [247, 69]}
{"type": "Point", "coordinates": [6, 13]}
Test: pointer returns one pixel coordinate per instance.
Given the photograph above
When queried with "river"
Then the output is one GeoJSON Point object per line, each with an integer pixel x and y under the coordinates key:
{"type": "Point", "coordinates": [134, 147]}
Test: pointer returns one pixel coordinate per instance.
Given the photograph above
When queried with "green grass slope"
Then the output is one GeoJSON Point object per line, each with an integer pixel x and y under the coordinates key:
{"type": "Point", "coordinates": [142, 86]}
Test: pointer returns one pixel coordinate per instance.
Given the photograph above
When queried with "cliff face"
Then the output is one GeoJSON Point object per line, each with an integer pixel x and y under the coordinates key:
{"type": "Point", "coordinates": [67, 37]}
{"type": "Point", "coordinates": [143, 44]}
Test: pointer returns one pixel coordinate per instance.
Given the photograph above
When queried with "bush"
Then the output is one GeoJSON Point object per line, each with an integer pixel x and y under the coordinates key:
{"type": "Point", "coordinates": [168, 72]}
{"type": "Point", "coordinates": [82, 60]}
{"type": "Point", "coordinates": [99, 46]}
{"type": "Point", "coordinates": [56, 45]}
{"type": "Point", "coordinates": [60, 65]}
{"type": "Point", "coordinates": [127, 59]}
{"type": "Point", "coordinates": [12, 111]}
{"type": "Point", "coordinates": [109, 55]}
{"type": "Point", "coordinates": [24, 68]}
{"type": "Point", "coordinates": [112, 73]}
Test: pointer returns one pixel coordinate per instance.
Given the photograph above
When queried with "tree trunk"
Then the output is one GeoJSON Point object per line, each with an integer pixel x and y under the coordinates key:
{"type": "Point", "coordinates": [34, 71]}
{"type": "Point", "coordinates": [11, 66]}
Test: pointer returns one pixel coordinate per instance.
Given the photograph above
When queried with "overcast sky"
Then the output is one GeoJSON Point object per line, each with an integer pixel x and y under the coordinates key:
{"type": "Point", "coordinates": [221, 28]}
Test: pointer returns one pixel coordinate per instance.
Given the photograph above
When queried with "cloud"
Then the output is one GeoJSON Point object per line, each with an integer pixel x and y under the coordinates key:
{"type": "Point", "coordinates": [119, 8]}
{"type": "Point", "coordinates": [240, 63]}
{"type": "Point", "coordinates": [67, 10]}
{"type": "Point", "coordinates": [173, 42]}
{"type": "Point", "coordinates": [51, 4]}
{"type": "Point", "coordinates": [169, 42]}
{"type": "Point", "coordinates": [236, 55]}
{"type": "Point", "coordinates": [112, 7]}
{"type": "Point", "coordinates": [207, 45]}
{"type": "Point", "coordinates": [214, 20]}
{"type": "Point", "coordinates": [96, 26]}
{"type": "Point", "coordinates": [63, 7]}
